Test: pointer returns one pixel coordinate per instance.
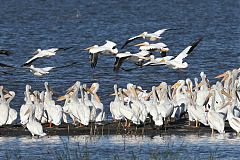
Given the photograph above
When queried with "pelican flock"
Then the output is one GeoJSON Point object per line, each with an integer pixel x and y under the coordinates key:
{"type": "Point", "coordinates": [198, 100]}
{"type": "Point", "coordinates": [204, 104]}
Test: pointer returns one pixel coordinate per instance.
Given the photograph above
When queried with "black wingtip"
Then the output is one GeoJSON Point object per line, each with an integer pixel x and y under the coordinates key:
{"type": "Point", "coordinates": [5, 52]}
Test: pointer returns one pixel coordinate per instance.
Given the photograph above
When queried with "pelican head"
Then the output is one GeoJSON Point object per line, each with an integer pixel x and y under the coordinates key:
{"type": "Point", "coordinates": [94, 87]}
{"type": "Point", "coordinates": [178, 83]}
{"type": "Point", "coordinates": [165, 49]}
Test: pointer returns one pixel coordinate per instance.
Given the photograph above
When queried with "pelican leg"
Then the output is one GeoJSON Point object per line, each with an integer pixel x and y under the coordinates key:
{"type": "Point", "coordinates": [196, 124]}
{"type": "Point", "coordinates": [212, 132]}
{"type": "Point", "coordinates": [129, 125]}
{"type": "Point", "coordinates": [50, 124]}
{"type": "Point", "coordinates": [126, 123]}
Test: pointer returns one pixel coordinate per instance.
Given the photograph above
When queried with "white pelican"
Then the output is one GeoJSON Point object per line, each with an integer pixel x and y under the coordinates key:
{"type": "Point", "coordinates": [115, 106]}
{"type": "Point", "coordinates": [177, 62]}
{"type": "Point", "coordinates": [127, 112]}
{"type": "Point", "coordinates": [215, 120]}
{"type": "Point", "coordinates": [85, 110]}
{"type": "Point", "coordinates": [44, 53]}
{"type": "Point", "coordinates": [153, 109]}
{"type": "Point", "coordinates": [154, 47]}
{"type": "Point", "coordinates": [54, 112]}
{"type": "Point", "coordinates": [100, 115]}
{"type": "Point", "coordinates": [4, 108]}
{"type": "Point", "coordinates": [157, 61]}
{"type": "Point", "coordinates": [138, 57]}
{"type": "Point", "coordinates": [28, 103]}
{"type": "Point", "coordinates": [12, 116]}
{"type": "Point", "coordinates": [180, 99]}
{"type": "Point", "coordinates": [39, 107]}
{"type": "Point", "coordinates": [89, 104]}
{"type": "Point", "coordinates": [109, 48]}
{"type": "Point", "coordinates": [145, 35]}
{"type": "Point", "coordinates": [165, 106]}
{"type": "Point", "coordinates": [45, 70]}
{"type": "Point", "coordinates": [32, 125]}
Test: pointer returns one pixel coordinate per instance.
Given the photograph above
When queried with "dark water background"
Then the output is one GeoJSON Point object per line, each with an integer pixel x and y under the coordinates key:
{"type": "Point", "coordinates": [28, 25]}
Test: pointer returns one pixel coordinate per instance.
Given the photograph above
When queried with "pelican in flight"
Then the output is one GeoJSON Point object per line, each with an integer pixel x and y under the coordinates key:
{"type": "Point", "coordinates": [156, 47]}
{"type": "Point", "coordinates": [45, 70]}
{"type": "Point", "coordinates": [175, 62]}
{"type": "Point", "coordinates": [44, 53]}
{"type": "Point", "coordinates": [138, 58]}
{"type": "Point", "coordinates": [109, 48]}
{"type": "Point", "coordinates": [145, 35]}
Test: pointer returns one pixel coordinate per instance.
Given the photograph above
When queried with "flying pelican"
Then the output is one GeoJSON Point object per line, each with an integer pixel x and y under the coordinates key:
{"type": "Point", "coordinates": [44, 53]}
{"type": "Point", "coordinates": [155, 47]}
{"type": "Point", "coordinates": [145, 35]}
{"type": "Point", "coordinates": [109, 48]}
{"type": "Point", "coordinates": [138, 58]}
{"type": "Point", "coordinates": [177, 62]}
{"type": "Point", "coordinates": [45, 70]}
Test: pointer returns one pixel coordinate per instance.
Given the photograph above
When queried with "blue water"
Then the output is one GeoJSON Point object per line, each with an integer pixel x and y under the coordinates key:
{"type": "Point", "coordinates": [28, 25]}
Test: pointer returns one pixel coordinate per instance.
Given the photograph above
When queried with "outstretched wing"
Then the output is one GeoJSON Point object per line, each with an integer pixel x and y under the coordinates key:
{"type": "Point", "coordinates": [131, 39]}
{"type": "Point", "coordinates": [161, 31]}
{"type": "Point", "coordinates": [187, 50]}
{"type": "Point", "coordinates": [118, 62]}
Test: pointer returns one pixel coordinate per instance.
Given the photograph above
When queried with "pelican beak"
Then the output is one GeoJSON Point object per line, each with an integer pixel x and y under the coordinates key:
{"type": "Point", "coordinates": [177, 84]}
{"type": "Point", "coordinates": [87, 49]}
{"type": "Point", "coordinates": [97, 98]}
{"type": "Point", "coordinates": [162, 61]}
{"type": "Point", "coordinates": [90, 90]}
{"type": "Point", "coordinates": [113, 94]}
{"type": "Point", "coordinates": [140, 44]}
{"type": "Point", "coordinates": [221, 75]}
{"type": "Point", "coordinates": [62, 98]}
{"type": "Point", "coordinates": [28, 111]}
{"type": "Point", "coordinates": [226, 94]}
{"type": "Point", "coordinates": [200, 85]}
{"type": "Point", "coordinates": [225, 77]}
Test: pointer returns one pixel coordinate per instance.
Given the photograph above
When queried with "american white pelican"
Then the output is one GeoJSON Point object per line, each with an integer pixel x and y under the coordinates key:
{"type": "Point", "coordinates": [165, 106]}
{"type": "Point", "coordinates": [54, 112]}
{"type": "Point", "coordinates": [127, 112]}
{"type": "Point", "coordinates": [177, 62]}
{"type": "Point", "coordinates": [100, 115]}
{"type": "Point", "coordinates": [145, 35]}
{"type": "Point", "coordinates": [154, 47]}
{"type": "Point", "coordinates": [32, 125]}
{"type": "Point", "coordinates": [109, 48]}
{"type": "Point", "coordinates": [137, 58]}
{"type": "Point", "coordinates": [44, 53]}
{"type": "Point", "coordinates": [4, 108]}
{"type": "Point", "coordinates": [85, 110]}
{"type": "Point", "coordinates": [115, 105]}
{"type": "Point", "coordinates": [45, 70]}
{"type": "Point", "coordinates": [157, 61]}
{"type": "Point", "coordinates": [153, 109]}
{"type": "Point", "coordinates": [89, 103]}
{"type": "Point", "coordinates": [28, 104]}
{"type": "Point", "coordinates": [180, 99]}
{"type": "Point", "coordinates": [12, 116]}
{"type": "Point", "coordinates": [5, 52]}
{"type": "Point", "coordinates": [39, 107]}
{"type": "Point", "coordinates": [215, 120]}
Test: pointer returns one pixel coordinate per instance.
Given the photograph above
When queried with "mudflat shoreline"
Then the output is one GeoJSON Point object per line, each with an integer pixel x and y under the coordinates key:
{"type": "Point", "coordinates": [180, 127]}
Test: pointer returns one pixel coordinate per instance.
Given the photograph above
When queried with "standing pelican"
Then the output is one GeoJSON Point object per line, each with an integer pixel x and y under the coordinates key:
{"type": "Point", "coordinates": [109, 48]}
{"type": "Point", "coordinates": [115, 106]}
{"type": "Point", "coordinates": [4, 108]}
{"type": "Point", "coordinates": [12, 116]}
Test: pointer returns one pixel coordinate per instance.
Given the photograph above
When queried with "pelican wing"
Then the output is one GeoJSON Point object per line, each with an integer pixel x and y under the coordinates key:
{"type": "Point", "coordinates": [161, 31]}
{"type": "Point", "coordinates": [187, 51]}
{"type": "Point", "coordinates": [58, 49]}
{"type": "Point", "coordinates": [119, 61]}
{"type": "Point", "coordinates": [47, 69]}
{"type": "Point", "coordinates": [5, 66]}
{"type": "Point", "coordinates": [131, 39]}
